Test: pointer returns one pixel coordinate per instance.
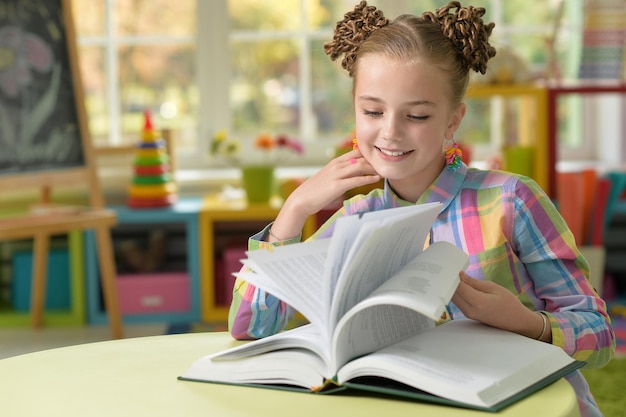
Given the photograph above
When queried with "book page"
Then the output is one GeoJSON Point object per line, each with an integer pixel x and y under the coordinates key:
{"type": "Point", "coordinates": [349, 232]}
{"type": "Point", "coordinates": [296, 357]}
{"type": "Point", "coordinates": [380, 251]}
{"type": "Point", "coordinates": [293, 273]}
{"type": "Point", "coordinates": [463, 360]}
{"type": "Point", "coordinates": [296, 367]}
{"type": "Point", "coordinates": [304, 337]}
{"type": "Point", "coordinates": [344, 234]}
{"type": "Point", "coordinates": [430, 279]}
{"type": "Point", "coordinates": [374, 327]}
{"type": "Point", "coordinates": [408, 302]}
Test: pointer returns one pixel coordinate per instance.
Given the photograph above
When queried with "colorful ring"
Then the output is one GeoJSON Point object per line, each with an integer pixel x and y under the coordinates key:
{"type": "Point", "coordinates": [152, 179]}
{"type": "Point", "coordinates": [151, 169]}
{"type": "Point", "coordinates": [152, 191]}
{"type": "Point", "coordinates": [154, 202]}
{"type": "Point", "coordinates": [160, 143]}
{"type": "Point", "coordinates": [152, 160]}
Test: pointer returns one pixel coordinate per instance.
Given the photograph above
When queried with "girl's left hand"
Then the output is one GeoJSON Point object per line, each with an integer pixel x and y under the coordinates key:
{"type": "Point", "coordinates": [492, 304]}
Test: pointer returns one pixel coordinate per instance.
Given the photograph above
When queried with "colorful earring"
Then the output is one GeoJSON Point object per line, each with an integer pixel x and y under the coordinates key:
{"type": "Point", "coordinates": [355, 144]}
{"type": "Point", "coordinates": [453, 157]}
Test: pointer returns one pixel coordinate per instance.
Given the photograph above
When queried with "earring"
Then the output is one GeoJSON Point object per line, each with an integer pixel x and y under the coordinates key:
{"type": "Point", "coordinates": [355, 144]}
{"type": "Point", "coordinates": [453, 157]}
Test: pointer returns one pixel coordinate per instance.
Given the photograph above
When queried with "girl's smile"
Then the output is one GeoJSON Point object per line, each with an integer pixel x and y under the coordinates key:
{"type": "Point", "coordinates": [391, 155]}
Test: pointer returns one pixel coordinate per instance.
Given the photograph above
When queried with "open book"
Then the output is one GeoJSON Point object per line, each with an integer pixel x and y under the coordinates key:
{"type": "Point", "coordinates": [373, 295]}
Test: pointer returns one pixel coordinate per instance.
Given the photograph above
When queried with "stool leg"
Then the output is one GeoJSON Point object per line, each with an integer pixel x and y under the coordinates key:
{"type": "Point", "coordinates": [107, 279]}
{"type": "Point", "coordinates": [38, 286]}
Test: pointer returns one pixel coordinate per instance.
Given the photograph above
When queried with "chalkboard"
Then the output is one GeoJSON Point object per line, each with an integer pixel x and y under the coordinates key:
{"type": "Point", "coordinates": [41, 125]}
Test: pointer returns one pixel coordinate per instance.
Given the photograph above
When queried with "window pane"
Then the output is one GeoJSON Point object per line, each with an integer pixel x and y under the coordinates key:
{"type": "Point", "coordinates": [89, 17]}
{"type": "Point", "coordinates": [155, 17]}
{"type": "Point", "coordinates": [93, 74]}
{"type": "Point", "coordinates": [161, 79]}
{"type": "Point", "coordinates": [518, 13]}
{"type": "Point", "coordinates": [531, 47]}
{"type": "Point", "coordinates": [264, 87]}
{"type": "Point", "coordinates": [331, 96]}
{"type": "Point", "coordinates": [325, 13]}
{"type": "Point", "coordinates": [264, 15]}
{"type": "Point", "coordinates": [394, 8]}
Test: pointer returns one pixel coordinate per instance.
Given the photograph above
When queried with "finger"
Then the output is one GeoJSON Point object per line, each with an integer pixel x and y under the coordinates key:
{"type": "Point", "coordinates": [353, 154]}
{"type": "Point", "coordinates": [355, 157]}
{"type": "Point", "coordinates": [464, 294]}
{"type": "Point", "coordinates": [478, 284]}
{"type": "Point", "coordinates": [471, 293]}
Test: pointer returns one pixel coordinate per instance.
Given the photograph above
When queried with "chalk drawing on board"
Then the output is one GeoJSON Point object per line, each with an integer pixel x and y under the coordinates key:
{"type": "Point", "coordinates": [38, 122]}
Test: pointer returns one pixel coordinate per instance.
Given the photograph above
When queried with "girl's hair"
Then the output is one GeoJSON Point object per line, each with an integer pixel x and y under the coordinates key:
{"type": "Point", "coordinates": [453, 38]}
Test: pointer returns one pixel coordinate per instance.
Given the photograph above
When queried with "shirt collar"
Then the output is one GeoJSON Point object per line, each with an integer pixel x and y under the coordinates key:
{"type": "Point", "coordinates": [443, 190]}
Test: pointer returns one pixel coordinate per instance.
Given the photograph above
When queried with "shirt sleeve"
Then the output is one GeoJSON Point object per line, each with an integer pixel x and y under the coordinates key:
{"type": "Point", "coordinates": [560, 274]}
{"type": "Point", "coordinates": [254, 313]}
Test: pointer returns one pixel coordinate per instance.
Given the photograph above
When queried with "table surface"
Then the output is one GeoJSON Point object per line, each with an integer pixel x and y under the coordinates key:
{"type": "Point", "coordinates": [138, 377]}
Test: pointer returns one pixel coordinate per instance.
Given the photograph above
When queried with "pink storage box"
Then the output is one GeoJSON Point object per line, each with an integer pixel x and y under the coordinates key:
{"type": "Point", "coordinates": [224, 280]}
{"type": "Point", "coordinates": [161, 292]}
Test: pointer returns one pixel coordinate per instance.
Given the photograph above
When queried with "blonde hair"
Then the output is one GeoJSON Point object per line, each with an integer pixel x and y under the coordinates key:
{"type": "Point", "coordinates": [453, 38]}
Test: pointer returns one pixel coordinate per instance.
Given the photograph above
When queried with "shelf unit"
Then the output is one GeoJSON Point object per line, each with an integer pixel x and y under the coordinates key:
{"type": "Point", "coordinates": [545, 117]}
{"type": "Point", "coordinates": [554, 92]}
{"type": "Point", "coordinates": [224, 223]}
{"type": "Point", "coordinates": [75, 315]}
{"type": "Point", "coordinates": [538, 120]}
{"type": "Point", "coordinates": [183, 215]}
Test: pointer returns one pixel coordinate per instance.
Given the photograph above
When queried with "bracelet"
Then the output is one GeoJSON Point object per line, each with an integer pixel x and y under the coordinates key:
{"type": "Point", "coordinates": [545, 325]}
{"type": "Point", "coordinates": [289, 238]}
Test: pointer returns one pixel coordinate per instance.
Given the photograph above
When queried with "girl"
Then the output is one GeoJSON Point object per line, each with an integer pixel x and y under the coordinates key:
{"type": "Point", "coordinates": [410, 75]}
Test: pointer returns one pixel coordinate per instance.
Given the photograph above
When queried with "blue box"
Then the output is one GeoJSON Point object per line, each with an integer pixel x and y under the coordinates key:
{"type": "Point", "coordinates": [57, 284]}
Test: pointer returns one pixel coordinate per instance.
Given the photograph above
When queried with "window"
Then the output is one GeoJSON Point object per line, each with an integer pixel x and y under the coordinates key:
{"type": "Point", "coordinates": [135, 56]}
{"type": "Point", "coordinates": [251, 66]}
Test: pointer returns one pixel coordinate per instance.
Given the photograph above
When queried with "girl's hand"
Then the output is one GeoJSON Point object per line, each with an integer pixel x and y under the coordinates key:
{"type": "Point", "coordinates": [341, 174]}
{"type": "Point", "coordinates": [330, 183]}
{"type": "Point", "coordinates": [496, 306]}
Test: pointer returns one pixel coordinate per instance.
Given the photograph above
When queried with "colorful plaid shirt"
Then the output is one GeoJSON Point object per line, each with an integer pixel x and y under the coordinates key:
{"type": "Point", "coordinates": [515, 237]}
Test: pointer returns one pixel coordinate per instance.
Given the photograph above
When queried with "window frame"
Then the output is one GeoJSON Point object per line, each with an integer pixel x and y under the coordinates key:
{"type": "Point", "coordinates": [214, 34]}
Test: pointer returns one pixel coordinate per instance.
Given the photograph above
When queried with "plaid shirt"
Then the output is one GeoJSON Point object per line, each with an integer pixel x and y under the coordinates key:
{"type": "Point", "coordinates": [514, 236]}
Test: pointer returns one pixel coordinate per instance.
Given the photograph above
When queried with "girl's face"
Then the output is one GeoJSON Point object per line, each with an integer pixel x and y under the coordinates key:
{"type": "Point", "coordinates": [403, 114]}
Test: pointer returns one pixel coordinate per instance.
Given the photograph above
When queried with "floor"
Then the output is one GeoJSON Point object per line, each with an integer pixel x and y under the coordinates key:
{"type": "Point", "coordinates": [20, 340]}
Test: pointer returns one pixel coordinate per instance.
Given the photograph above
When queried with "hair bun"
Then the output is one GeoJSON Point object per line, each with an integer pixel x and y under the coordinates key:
{"type": "Point", "coordinates": [350, 33]}
{"type": "Point", "coordinates": [466, 29]}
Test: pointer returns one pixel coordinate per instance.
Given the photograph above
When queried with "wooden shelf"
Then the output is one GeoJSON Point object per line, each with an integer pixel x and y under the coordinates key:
{"type": "Point", "coordinates": [247, 219]}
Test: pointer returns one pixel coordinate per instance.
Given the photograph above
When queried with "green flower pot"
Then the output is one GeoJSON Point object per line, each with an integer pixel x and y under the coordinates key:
{"type": "Point", "coordinates": [258, 181]}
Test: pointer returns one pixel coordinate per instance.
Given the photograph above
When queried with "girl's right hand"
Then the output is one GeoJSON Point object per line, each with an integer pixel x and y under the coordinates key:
{"type": "Point", "coordinates": [340, 175]}
{"type": "Point", "coordinates": [330, 183]}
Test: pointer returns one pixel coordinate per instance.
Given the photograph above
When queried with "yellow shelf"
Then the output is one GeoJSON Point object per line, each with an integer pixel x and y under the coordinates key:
{"type": "Point", "coordinates": [533, 128]}
{"type": "Point", "coordinates": [216, 210]}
